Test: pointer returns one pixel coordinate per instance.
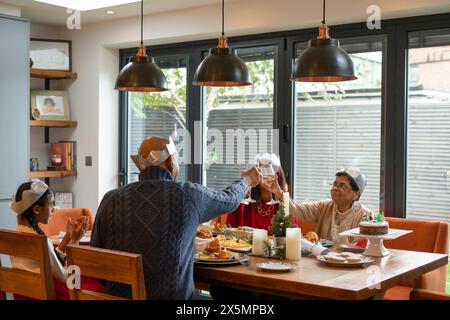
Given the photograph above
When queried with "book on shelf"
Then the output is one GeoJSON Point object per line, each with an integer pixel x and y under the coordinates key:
{"type": "Point", "coordinates": [68, 152]}
{"type": "Point", "coordinates": [63, 200]}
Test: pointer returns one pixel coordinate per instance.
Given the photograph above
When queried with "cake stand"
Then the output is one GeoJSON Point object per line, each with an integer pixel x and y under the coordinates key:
{"type": "Point", "coordinates": [375, 247]}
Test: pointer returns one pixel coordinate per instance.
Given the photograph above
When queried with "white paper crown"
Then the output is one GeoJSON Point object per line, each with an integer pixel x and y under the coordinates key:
{"type": "Point", "coordinates": [29, 197]}
{"type": "Point", "coordinates": [269, 158]}
{"type": "Point", "coordinates": [155, 157]}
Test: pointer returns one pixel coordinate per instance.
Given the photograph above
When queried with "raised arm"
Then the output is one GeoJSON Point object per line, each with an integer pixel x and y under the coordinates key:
{"type": "Point", "coordinates": [211, 203]}
{"type": "Point", "coordinates": [307, 212]}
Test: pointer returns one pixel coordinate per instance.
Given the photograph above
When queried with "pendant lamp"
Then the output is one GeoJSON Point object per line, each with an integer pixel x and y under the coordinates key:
{"type": "Point", "coordinates": [324, 60]}
{"type": "Point", "coordinates": [222, 67]}
{"type": "Point", "coordinates": [141, 73]}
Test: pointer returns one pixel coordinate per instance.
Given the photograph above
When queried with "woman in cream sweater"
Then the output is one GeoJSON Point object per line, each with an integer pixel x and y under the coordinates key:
{"type": "Point", "coordinates": [338, 214]}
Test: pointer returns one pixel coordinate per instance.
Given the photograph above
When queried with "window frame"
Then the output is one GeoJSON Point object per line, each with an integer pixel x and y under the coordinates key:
{"type": "Point", "coordinates": [393, 173]}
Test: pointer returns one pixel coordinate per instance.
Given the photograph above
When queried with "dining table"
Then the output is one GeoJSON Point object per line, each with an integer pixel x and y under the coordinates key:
{"type": "Point", "coordinates": [313, 279]}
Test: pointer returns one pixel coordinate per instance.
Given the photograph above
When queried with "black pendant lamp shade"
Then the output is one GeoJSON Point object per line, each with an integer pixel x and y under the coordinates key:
{"type": "Point", "coordinates": [324, 60]}
{"type": "Point", "coordinates": [222, 67]}
{"type": "Point", "coordinates": [141, 73]}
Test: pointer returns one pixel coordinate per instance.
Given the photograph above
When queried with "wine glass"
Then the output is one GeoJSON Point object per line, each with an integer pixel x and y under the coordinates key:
{"type": "Point", "coordinates": [249, 199]}
{"type": "Point", "coordinates": [268, 173]}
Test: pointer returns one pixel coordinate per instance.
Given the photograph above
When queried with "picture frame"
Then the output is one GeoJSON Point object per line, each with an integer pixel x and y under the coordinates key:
{"type": "Point", "coordinates": [63, 200]}
{"type": "Point", "coordinates": [34, 164]}
{"type": "Point", "coordinates": [51, 54]}
{"type": "Point", "coordinates": [50, 105]}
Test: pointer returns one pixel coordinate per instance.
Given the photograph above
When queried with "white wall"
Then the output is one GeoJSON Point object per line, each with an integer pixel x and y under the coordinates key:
{"type": "Point", "coordinates": [10, 10]}
{"type": "Point", "coordinates": [95, 103]}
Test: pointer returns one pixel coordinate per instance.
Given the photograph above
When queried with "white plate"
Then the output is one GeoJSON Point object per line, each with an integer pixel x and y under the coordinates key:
{"type": "Point", "coordinates": [245, 249]}
{"type": "Point", "coordinates": [365, 261]}
{"type": "Point", "coordinates": [233, 260]}
{"type": "Point", "coordinates": [85, 239]}
{"type": "Point", "coordinates": [276, 266]}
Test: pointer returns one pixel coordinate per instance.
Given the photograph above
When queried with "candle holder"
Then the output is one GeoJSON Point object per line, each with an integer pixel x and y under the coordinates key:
{"type": "Point", "coordinates": [275, 249]}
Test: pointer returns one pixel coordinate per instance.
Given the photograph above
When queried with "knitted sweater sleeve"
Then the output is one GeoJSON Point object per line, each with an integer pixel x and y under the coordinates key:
{"type": "Point", "coordinates": [211, 203]}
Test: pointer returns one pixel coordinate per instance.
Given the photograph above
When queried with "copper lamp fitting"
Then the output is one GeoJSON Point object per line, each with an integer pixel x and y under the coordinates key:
{"type": "Point", "coordinates": [323, 32]}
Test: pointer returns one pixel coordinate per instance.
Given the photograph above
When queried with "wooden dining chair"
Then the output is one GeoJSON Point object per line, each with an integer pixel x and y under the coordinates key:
{"type": "Point", "coordinates": [107, 265]}
{"type": "Point", "coordinates": [26, 283]}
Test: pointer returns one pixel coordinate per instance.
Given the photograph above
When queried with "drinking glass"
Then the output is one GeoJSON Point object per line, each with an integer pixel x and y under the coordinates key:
{"type": "Point", "coordinates": [268, 173]}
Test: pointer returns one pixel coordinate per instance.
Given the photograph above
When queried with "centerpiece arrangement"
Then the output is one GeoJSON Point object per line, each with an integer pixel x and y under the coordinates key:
{"type": "Point", "coordinates": [279, 223]}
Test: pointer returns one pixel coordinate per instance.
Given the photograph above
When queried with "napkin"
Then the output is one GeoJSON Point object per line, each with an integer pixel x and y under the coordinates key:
{"type": "Point", "coordinates": [315, 249]}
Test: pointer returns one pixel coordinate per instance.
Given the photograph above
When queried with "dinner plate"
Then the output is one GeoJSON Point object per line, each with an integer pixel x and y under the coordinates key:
{"type": "Point", "coordinates": [276, 266]}
{"type": "Point", "coordinates": [233, 260]}
{"type": "Point", "coordinates": [365, 261]}
{"type": "Point", "coordinates": [245, 249]}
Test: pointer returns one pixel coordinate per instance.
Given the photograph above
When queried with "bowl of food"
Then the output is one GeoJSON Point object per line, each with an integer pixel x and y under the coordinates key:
{"type": "Point", "coordinates": [242, 232]}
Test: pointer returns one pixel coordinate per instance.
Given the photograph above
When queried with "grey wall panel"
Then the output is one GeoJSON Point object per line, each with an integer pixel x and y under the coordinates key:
{"type": "Point", "coordinates": [14, 104]}
{"type": "Point", "coordinates": [8, 219]}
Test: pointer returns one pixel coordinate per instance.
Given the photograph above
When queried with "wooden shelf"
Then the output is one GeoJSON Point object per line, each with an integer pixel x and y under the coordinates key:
{"type": "Point", "coordinates": [53, 123]}
{"type": "Point", "coordinates": [52, 174]}
{"type": "Point", "coordinates": [52, 74]}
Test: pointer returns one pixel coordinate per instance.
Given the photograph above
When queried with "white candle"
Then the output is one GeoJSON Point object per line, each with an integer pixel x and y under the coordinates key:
{"type": "Point", "coordinates": [259, 237]}
{"type": "Point", "coordinates": [286, 203]}
{"type": "Point", "coordinates": [293, 243]}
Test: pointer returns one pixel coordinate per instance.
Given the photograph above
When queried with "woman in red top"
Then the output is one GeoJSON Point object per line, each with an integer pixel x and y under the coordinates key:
{"type": "Point", "coordinates": [259, 214]}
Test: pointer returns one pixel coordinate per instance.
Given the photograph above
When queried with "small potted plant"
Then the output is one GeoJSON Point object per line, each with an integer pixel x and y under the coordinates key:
{"type": "Point", "coordinates": [278, 229]}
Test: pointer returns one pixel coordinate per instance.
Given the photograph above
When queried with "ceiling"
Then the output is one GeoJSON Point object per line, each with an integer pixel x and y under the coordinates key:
{"type": "Point", "coordinates": [39, 12]}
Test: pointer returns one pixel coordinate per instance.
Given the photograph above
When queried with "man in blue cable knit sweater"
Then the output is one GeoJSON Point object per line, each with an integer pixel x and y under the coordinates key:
{"type": "Point", "coordinates": [157, 217]}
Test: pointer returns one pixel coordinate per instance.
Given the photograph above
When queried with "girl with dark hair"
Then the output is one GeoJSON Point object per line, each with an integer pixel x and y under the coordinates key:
{"type": "Point", "coordinates": [259, 214]}
{"type": "Point", "coordinates": [33, 204]}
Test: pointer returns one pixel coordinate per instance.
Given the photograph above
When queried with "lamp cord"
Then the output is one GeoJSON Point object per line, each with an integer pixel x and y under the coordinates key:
{"type": "Point", "coordinates": [223, 17]}
{"type": "Point", "coordinates": [323, 14]}
{"type": "Point", "coordinates": [142, 21]}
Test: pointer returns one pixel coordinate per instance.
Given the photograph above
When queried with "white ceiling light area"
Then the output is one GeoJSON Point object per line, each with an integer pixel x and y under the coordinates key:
{"type": "Point", "coordinates": [53, 12]}
{"type": "Point", "coordinates": [86, 5]}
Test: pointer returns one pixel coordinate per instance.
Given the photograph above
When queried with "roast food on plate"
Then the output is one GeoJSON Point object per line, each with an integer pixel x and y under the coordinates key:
{"type": "Point", "coordinates": [231, 242]}
{"type": "Point", "coordinates": [312, 237]}
{"type": "Point", "coordinates": [215, 251]}
{"type": "Point", "coordinates": [204, 233]}
{"type": "Point", "coordinates": [220, 227]}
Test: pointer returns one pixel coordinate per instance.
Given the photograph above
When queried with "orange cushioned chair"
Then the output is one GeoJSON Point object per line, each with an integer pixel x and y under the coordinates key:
{"type": "Point", "coordinates": [427, 236]}
{"type": "Point", "coordinates": [60, 217]}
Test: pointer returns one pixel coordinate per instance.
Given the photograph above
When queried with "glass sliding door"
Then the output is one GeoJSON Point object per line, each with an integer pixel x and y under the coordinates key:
{"type": "Point", "coordinates": [238, 120]}
{"type": "Point", "coordinates": [428, 132]}
{"type": "Point", "coordinates": [339, 125]}
{"type": "Point", "coordinates": [159, 114]}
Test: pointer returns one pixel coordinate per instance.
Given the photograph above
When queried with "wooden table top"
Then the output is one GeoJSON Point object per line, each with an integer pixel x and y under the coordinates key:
{"type": "Point", "coordinates": [317, 280]}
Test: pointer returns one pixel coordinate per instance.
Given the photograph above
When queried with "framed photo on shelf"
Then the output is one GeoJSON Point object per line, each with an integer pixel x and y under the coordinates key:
{"type": "Point", "coordinates": [63, 200]}
{"type": "Point", "coordinates": [50, 105]}
{"type": "Point", "coordinates": [34, 164]}
{"type": "Point", "coordinates": [49, 54]}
